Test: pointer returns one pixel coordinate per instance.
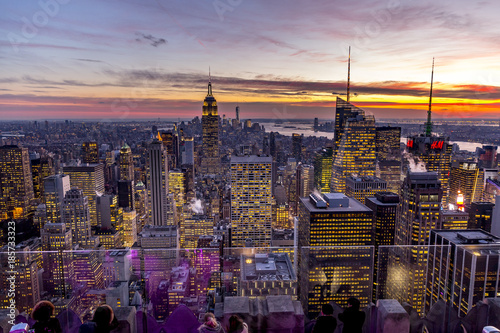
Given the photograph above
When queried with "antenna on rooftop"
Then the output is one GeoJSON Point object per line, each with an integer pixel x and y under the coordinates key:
{"type": "Point", "coordinates": [348, 75]}
{"type": "Point", "coordinates": [428, 125]}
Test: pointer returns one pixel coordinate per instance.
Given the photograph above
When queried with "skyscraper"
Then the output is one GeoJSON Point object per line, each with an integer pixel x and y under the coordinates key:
{"type": "Point", "coordinates": [388, 141]}
{"type": "Point", "coordinates": [16, 183]}
{"type": "Point", "coordinates": [55, 188]}
{"type": "Point", "coordinates": [356, 151]}
{"type": "Point", "coordinates": [462, 268]}
{"type": "Point", "coordinates": [90, 179]}
{"type": "Point", "coordinates": [305, 180]}
{"type": "Point", "coordinates": [129, 229]}
{"type": "Point", "coordinates": [210, 131]}
{"type": "Point", "coordinates": [466, 178]}
{"type": "Point", "coordinates": [323, 160]}
{"type": "Point", "coordinates": [251, 199]}
{"type": "Point", "coordinates": [385, 213]}
{"type": "Point", "coordinates": [41, 168]}
{"type": "Point", "coordinates": [419, 210]}
{"type": "Point", "coordinates": [57, 258]}
{"type": "Point", "coordinates": [76, 215]}
{"type": "Point", "coordinates": [157, 187]}
{"type": "Point", "coordinates": [329, 274]}
{"type": "Point", "coordinates": [126, 162]}
{"type": "Point", "coordinates": [297, 146]}
{"type": "Point", "coordinates": [90, 152]}
{"type": "Point", "coordinates": [434, 151]}
{"type": "Point", "coordinates": [171, 142]}
{"type": "Point", "coordinates": [126, 184]}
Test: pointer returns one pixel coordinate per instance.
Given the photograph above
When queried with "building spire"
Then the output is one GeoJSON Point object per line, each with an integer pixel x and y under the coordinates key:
{"type": "Point", "coordinates": [428, 124]}
{"type": "Point", "coordinates": [348, 75]}
{"type": "Point", "coordinates": [209, 83]}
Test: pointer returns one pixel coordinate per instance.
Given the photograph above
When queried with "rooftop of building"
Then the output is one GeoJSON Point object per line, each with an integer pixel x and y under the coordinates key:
{"type": "Point", "coordinates": [454, 212]}
{"type": "Point", "coordinates": [384, 199]}
{"type": "Point", "coordinates": [267, 267]}
{"type": "Point", "coordinates": [251, 159]}
{"type": "Point", "coordinates": [365, 179]}
{"type": "Point", "coordinates": [469, 237]}
{"type": "Point", "coordinates": [342, 204]}
{"type": "Point", "coordinates": [158, 230]}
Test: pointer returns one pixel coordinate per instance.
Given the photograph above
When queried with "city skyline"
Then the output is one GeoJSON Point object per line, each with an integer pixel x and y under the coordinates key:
{"type": "Point", "coordinates": [69, 60]}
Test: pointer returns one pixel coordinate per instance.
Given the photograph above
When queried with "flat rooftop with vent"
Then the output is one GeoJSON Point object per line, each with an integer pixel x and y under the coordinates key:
{"type": "Point", "coordinates": [267, 274]}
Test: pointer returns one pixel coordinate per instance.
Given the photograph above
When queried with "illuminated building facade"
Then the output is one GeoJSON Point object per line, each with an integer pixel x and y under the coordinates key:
{"type": "Point", "coordinates": [210, 132]}
{"type": "Point", "coordinates": [343, 111]}
{"type": "Point", "coordinates": [435, 152]}
{"type": "Point", "coordinates": [323, 161]}
{"type": "Point", "coordinates": [90, 153]}
{"type": "Point", "coordinates": [157, 187]}
{"type": "Point", "coordinates": [176, 187]}
{"type": "Point", "coordinates": [463, 269]}
{"type": "Point", "coordinates": [356, 151]}
{"type": "Point", "coordinates": [385, 213]}
{"type": "Point", "coordinates": [360, 188]}
{"type": "Point", "coordinates": [76, 215]}
{"type": "Point", "coordinates": [334, 220]}
{"type": "Point", "coordinates": [192, 227]}
{"type": "Point", "coordinates": [55, 188]}
{"type": "Point", "coordinates": [466, 178]}
{"type": "Point", "coordinates": [108, 238]}
{"type": "Point", "coordinates": [40, 169]}
{"type": "Point", "coordinates": [57, 258]}
{"type": "Point", "coordinates": [90, 179]}
{"type": "Point", "coordinates": [419, 211]}
{"type": "Point", "coordinates": [129, 229]}
{"type": "Point", "coordinates": [16, 182]}
{"type": "Point", "coordinates": [27, 274]}
{"type": "Point", "coordinates": [453, 220]}
{"type": "Point", "coordinates": [387, 142]}
{"type": "Point", "coordinates": [265, 274]}
{"type": "Point", "coordinates": [251, 199]}
{"type": "Point", "coordinates": [126, 163]}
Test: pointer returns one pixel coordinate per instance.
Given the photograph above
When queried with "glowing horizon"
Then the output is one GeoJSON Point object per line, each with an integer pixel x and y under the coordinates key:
{"type": "Point", "coordinates": [75, 60]}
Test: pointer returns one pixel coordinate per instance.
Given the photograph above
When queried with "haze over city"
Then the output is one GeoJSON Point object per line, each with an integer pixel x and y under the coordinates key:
{"type": "Point", "coordinates": [285, 59]}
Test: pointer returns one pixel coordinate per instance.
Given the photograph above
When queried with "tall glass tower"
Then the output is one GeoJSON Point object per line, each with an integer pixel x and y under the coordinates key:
{"type": "Point", "coordinates": [210, 128]}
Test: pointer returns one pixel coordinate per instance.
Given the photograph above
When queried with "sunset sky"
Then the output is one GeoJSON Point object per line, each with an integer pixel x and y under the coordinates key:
{"type": "Point", "coordinates": [125, 59]}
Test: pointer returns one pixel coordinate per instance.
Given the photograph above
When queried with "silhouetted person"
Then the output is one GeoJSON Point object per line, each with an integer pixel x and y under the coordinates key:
{"type": "Point", "coordinates": [42, 313]}
{"type": "Point", "coordinates": [325, 323]}
{"type": "Point", "coordinates": [104, 321]}
{"type": "Point", "coordinates": [210, 324]}
{"type": "Point", "coordinates": [237, 325]}
{"type": "Point", "coordinates": [352, 318]}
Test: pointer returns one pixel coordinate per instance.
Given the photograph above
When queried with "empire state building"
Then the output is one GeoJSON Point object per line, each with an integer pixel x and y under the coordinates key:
{"type": "Point", "coordinates": [210, 128]}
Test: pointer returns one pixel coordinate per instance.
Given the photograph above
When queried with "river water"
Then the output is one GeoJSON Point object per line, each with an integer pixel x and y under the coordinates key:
{"type": "Point", "coordinates": [307, 130]}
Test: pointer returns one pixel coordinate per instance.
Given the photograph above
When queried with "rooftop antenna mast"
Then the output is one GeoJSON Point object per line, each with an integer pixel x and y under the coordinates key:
{"type": "Point", "coordinates": [209, 82]}
{"type": "Point", "coordinates": [428, 125]}
{"type": "Point", "coordinates": [348, 75]}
